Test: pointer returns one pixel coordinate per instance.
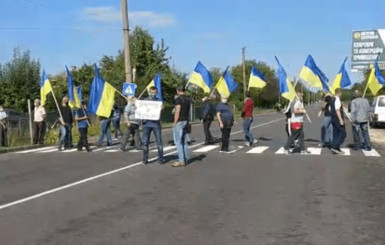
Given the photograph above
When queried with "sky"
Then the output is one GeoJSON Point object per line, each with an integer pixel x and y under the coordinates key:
{"type": "Point", "coordinates": [74, 32]}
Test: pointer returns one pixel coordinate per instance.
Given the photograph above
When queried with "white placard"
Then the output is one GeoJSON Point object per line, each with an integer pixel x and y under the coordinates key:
{"type": "Point", "coordinates": [148, 110]}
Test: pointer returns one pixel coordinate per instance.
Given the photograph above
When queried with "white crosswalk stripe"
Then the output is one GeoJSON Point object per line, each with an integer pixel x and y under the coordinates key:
{"type": "Point", "coordinates": [372, 153]}
{"type": "Point", "coordinates": [346, 151]}
{"type": "Point", "coordinates": [258, 150]}
{"type": "Point", "coordinates": [207, 148]}
{"type": "Point", "coordinates": [280, 151]}
{"type": "Point", "coordinates": [35, 150]}
{"type": "Point", "coordinates": [167, 148]}
{"type": "Point", "coordinates": [314, 150]}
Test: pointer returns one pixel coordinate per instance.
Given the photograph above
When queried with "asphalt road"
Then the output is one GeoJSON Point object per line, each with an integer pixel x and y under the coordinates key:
{"type": "Point", "coordinates": [109, 197]}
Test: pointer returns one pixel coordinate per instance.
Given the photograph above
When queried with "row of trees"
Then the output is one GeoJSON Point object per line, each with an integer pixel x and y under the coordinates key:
{"type": "Point", "coordinates": [19, 78]}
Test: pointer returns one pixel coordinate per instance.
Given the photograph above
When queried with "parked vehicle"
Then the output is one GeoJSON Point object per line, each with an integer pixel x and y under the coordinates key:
{"type": "Point", "coordinates": [377, 115]}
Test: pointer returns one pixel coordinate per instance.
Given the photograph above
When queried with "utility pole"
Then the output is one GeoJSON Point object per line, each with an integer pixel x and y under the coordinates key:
{"type": "Point", "coordinates": [244, 71]}
{"type": "Point", "coordinates": [126, 34]}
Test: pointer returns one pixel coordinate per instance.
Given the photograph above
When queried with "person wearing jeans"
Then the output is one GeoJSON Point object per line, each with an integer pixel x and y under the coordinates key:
{"type": "Point", "coordinates": [82, 119]}
{"type": "Point", "coordinates": [105, 130]}
{"type": "Point", "coordinates": [247, 115]}
{"type": "Point", "coordinates": [132, 125]}
{"type": "Point", "coordinates": [155, 127]}
{"type": "Point", "coordinates": [360, 109]}
{"type": "Point", "coordinates": [337, 115]}
{"type": "Point", "coordinates": [116, 121]}
{"type": "Point", "coordinates": [326, 128]}
{"type": "Point", "coordinates": [226, 121]}
{"type": "Point", "coordinates": [182, 109]}
{"type": "Point", "coordinates": [65, 125]}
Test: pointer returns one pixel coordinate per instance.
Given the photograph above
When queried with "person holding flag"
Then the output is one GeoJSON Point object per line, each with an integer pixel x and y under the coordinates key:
{"type": "Point", "coordinates": [337, 115]}
{"type": "Point", "coordinates": [82, 119]}
{"type": "Point", "coordinates": [225, 86]}
{"type": "Point", "coordinates": [297, 109]}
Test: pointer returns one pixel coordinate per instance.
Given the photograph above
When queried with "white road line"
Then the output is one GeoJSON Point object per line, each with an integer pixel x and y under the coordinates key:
{"type": "Point", "coordinates": [105, 148]}
{"type": "Point", "coordinates": [99, 176]}
{"type": "Point", "coordinates": [372, 153]}
{"type": "Point", "coordinates": [112, 150]}
{"type": "Point", "coordinates": [47, 151]}
{"type": "Point", "coordinates": [257, 150]}
{"type": "Point", "coordinates": [67, 151]}
{"type": "Point", "coordinates": [167, 148]}
{"type": "Point", "coordinates": [280, 151]}
{"type": "Point", "coordinates": [207, 148]}
{"type": "Point", "coordinates": [314, 150]}
{"type": "Point", "coordinates": [346, 151]}
{"type": "Point", "coordinates": [35, 150]}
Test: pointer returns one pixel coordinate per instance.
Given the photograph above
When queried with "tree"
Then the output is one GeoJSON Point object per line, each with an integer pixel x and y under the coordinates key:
{"type": "Point", "coordinates": [19, 81]}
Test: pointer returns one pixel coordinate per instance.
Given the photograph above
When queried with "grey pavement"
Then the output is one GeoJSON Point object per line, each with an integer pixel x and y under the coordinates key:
{"type": "Point", "coordinates": [259, 197]}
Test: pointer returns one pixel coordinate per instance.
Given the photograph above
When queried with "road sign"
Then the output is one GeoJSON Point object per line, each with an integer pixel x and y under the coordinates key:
{"type": "Point", "coordinates": [366, 45]}
{"type": "Point", "coordinates": [129, 89]}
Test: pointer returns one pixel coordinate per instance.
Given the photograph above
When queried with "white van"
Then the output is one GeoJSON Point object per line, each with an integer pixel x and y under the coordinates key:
{"type": "Point", "coordinates": [377, 115]}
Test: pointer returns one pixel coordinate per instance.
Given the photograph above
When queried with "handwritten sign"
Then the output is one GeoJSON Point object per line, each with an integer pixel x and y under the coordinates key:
{"type": "Point", "coordinates": [148, 110]}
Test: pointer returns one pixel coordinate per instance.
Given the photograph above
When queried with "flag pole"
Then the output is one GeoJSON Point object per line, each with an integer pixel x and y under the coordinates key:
{"type": "Point", "coordinates": [57, 106]}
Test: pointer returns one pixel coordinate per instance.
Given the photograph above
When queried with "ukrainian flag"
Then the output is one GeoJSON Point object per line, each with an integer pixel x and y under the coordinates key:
{"type": "Point", "coordinates": [257, 79]}
{"type": "Point", "coordinates": [45, 88]}
{"type": "Point", "coordinates": [312, 77]}
{"type": "Point", "coordinates": [156, 82]}
{"type": "Point", "coordinates": [102, 96]}
{"type": "Point", "coordinates": [226, 84]}
{"type": "Point", "coordinates": [80, 94]}
{"type": "Point", "coordinates": [376, 80]}
{"type": "Point", "coordinates": [74, 100]}
{"type": "Point", "coordinates": [201, 77]}
{"type": "Point", "coordinates": [286, 88]}
{"type": "Point", "coordinates": [342, 79]}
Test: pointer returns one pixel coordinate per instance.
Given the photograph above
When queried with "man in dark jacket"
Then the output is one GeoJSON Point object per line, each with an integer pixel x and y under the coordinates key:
{"type": "Point", "coordinates": [226, 120]}
{"type": "Point", "coordinates": [65, 125]}
{"type": "Point", "coordinates": [207, 116]}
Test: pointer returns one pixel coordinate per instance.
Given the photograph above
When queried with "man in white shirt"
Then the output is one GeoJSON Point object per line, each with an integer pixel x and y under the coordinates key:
{"type": "Point", "coordinates": [337, 113]}
{"type": "Point", "coordinates": [39, 123]}
{"type": "Point", "coordinates": [3, 126]}
{"type": "Point", "coordinates": [296, 126]}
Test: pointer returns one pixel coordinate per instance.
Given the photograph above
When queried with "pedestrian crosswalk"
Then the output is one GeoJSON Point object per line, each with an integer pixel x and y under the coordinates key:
{"type": "Point", "coordinates": [199, 148]}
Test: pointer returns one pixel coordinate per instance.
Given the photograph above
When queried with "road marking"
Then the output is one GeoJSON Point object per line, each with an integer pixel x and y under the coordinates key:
{"type": "Point", "coordinates": [280, 151]}
{"type": "Point", "coordinates": [314, 150]}
{"type": "Point", "coordinates": [372, 153]}
{"type": "Point", "coordinates": [258, 150]}
{"type": "Point", "coordinates": [34, 150]}
{"type": "Point", "coordinates": [101, 175]}
{"type": "Point", "coordinates": [72, 150]}
{"type": "Point", "coordinates": [207, 148]}
{"type": "Point", "coordinates": [346, 151]}
{"type": "Point", "coordinates": [112, 150]}
{"type": "Point", "coordinates": [105, 148]}
{"type": "Point", "coordinates": [167, 148]}
{"type": "Point", "coordinates": [47, 151]}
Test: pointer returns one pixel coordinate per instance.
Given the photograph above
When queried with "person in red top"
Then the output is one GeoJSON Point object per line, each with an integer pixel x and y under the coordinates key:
{"type": "Point", "coordinates": [247, 115]}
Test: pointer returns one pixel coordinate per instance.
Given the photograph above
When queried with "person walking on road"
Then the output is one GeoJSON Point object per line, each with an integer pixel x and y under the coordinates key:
{"type": "Point", "coordinates": [326, 128]}
{"type": "Point", "coordinates": [181, 121]}
{"type": "Point", "coordinates": [296, 127]}
{"type": "Point", "coordinates": [39, 124]}
{"type": "Point", "coordinates": [105, 130]}
{"type": "Point", "coordinates": [207, 116]}
{"type": "Point", "coordinates": [359, 110]}
{"type": "Point", "coordinates": [3, 126]}
{"type": "Point", "coordinates": [65, 125]}
{"type": "Point", "coordinates": [116, 121]}
{"type": "Point", "coordinates": [82, 119]}
{"type": "Point", "coordinates": [226, 121]}
{"type": "Point", "coordinates": [132, 126]}
{"type": "Point", "coordinates": [337, 115]}
{"type": "Point", "coordinates": [155, 127]}
{"type": "Point", "coordinates": [247, 115]}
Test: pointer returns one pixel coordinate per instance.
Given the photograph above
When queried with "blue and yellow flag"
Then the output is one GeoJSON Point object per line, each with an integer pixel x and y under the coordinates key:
{"type": "Point", "coordinates": [286, 88]}
{"type": "Point", "coordinates": [312, 77]}
{"type": "Point", "coordinates": [257, 79]}
{"type": "Point", "coordinates": [226, 84]}
{"type": "Point", "coordinates": [74, 101]}
{"type": "Point", "coordinates": [201, 77]}
{"type": "Point", "coordinates": [45, 88]}
{"type": "Point", "coordinates": [102, 96]}
{"type": "Point", "coordinates": [80, 94]}
{"type": "Point", "coordinates": [156, 82]}
{"type": "Point", "coordinates": [376, 80]}
{"type": "Point", "coordinates": [342, 79]}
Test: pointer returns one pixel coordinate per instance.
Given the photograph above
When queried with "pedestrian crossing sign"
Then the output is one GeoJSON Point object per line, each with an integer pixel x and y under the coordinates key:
{"type": "Point", "coordinates": [129, 89]}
